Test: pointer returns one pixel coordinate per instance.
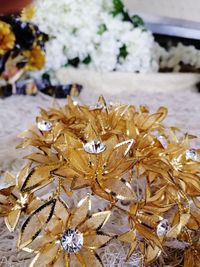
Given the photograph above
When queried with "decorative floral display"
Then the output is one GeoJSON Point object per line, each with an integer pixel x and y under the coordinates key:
{"type": "Point", "coordinates": [180, 58]}
{"type": "Point", "coordinates": [103, 36]}
{"type": "Point", "coordinates": [98, 35]}
{"type": "Point", "coordinates": [21, 51]}
{"type": "Point", "coordinates": [137, 183]}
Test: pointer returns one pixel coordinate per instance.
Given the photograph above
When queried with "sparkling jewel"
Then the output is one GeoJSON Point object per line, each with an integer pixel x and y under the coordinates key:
{"type": "Point", "coordinates": [94, 147]}
{"type": "Point", "coordinates": [96, 107]}
{"type": "Point", "coordinates": [192, 154]}
{"type": "Point", "coordinates": [163, 227]}
{"type": "Point", "coordinates": [44, 126]}
{"type": "Point", "coordinates": [72, 240]}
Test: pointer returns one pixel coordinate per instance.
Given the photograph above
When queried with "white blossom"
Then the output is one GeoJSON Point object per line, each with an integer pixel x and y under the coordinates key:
{"type": "Point", "coordinates": [80, 29]}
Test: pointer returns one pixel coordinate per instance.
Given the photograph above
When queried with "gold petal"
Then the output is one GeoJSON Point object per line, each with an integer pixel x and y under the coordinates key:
{"type": "Point", "coordinates": [38, 178]}
{"type": "Point", "coordinates": [39, 243]}
{"type": "Point", "coordinates": [119, 152]}
{"type": "Point", "coordinates": [22, 175]}
{"type": "Point", "coordinates": [66, 260]}
{"type": "Point", "coordinates": [127, 143]}
{"type": "Point", "coordinates": [61, 211]}
{"type": "Point", "coordinates": [96, 221]}
{"type": "Point", "coordinates": [119, 189]}
{"type": "Point", "coordinates": [8, 179]}
{"type": "Point", "coordinates": [41, 158]}
{"type": "Point", "coordinates": [98, 190]}
{"type": "Point", "coordinates": [151, 120]}
{"type": "Point", "coordinates": [148, 234]}
{"type": "Point", "coordinates": [128, 237]}
{"type": "Point", "coordinates": [95, 241]}
{"type": "Point", "coordinates": [79, 162]}
{"type": "Point", "coordinates": [12, 219]}
{"type": "Point", "coordinates": [91, 259]}
{"type": "Point", "coordinates": [35, 223]}
{"type": "Point", "coordinates": [60, 260]}
{"type": "Point", "coordinates": [152, 253]}
{"type": "Point", "coordinates": [176, 229]}
{"type": "Point", "coordinates": [46, 256]}
{"type": "Point", "coordinates": [196, 202]}
{"type": "Point", "coordinates": [81, 212]}
{"type": "Point", "coordinates": [76, 261]}
{"type": "Point", "coordinates": [55, 227]}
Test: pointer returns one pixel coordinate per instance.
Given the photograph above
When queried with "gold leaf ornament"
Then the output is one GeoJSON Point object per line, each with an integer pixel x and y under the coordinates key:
{"type": "Point", "coordinates": [142, 175]}
{"type": "Point", "coordinates": [81, 227]}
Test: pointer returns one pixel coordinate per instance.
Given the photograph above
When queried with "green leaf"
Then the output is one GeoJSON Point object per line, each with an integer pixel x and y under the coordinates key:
{"type": "Point", "coordinates": [87, 60]}
{"type": "Point", "coordinates": [137, 21]}
{"type": "Point", "coordinates": [118, 7]}
{"type": "Point", "coordinates": [74, 62]}
{"type": "Point", "coordinates": [123, 53]}
{"type": "Point", "coordinates": [102, 29]}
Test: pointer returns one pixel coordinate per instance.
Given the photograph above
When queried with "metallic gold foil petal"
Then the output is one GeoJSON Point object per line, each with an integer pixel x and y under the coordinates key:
{"type": "Point", "coordinates": [35, 223]}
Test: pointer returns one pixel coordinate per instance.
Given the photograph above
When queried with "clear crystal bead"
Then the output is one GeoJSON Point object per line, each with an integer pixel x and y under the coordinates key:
{"type": "Point", "coordinates": [163, 227]}
{"type": "Point", "coordinates": [44, 126]}
{"type": "Point", "coordinates": [94, 147]}
{"type": "Point", "coordinates": [98, 106]}
{"type": "Point", "coordinates": [72, 240]}
{"type": "Point", "coordinates": [192, 154]}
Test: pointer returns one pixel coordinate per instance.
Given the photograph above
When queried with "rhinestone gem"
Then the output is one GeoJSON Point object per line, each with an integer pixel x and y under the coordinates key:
{"type": "Point", "coordinates": [72, 240]}
{"type": "Point", "coordinates": [98, 106]}
{"type": "Point", "coordinates": [163, 227]}
{"type": "Point", "coordinates": [94, 147]}
{"type": "Point", "coordinates": [44, 126]}
{"type": "Point", "coordinates": [192, 154]}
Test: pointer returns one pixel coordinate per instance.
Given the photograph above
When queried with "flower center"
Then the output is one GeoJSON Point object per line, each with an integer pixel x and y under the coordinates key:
{"type": "Point", "coordinates": [72, 240]}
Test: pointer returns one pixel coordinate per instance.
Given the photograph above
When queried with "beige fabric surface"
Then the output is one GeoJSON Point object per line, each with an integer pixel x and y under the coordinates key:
{"type": "Point", "coordinates": [18, 112]}
{"type": "Point", "coordinates": [181, 9]}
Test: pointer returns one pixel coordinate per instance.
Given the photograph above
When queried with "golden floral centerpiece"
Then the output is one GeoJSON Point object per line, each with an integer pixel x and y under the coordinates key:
{"type": "Point", "coordinates": [103, 174]}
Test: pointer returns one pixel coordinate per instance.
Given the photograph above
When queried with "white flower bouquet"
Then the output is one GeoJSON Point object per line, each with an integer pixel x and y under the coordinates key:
{"type": "Point", "coordinates": [98, 35]}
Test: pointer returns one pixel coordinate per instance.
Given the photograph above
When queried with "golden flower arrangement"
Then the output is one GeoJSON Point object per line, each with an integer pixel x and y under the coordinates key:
{"type": "Point", "coordinates": [117, 155]}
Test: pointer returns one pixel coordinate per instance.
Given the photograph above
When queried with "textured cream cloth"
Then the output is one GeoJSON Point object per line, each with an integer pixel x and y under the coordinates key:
{"type": "Point", "coordinates": [114, 83]}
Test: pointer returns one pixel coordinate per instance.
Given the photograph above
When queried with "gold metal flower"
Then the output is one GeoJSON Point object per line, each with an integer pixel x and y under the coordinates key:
{"type": "Point", "coordinates": [14, 200]}
{"type": "Point", "coordinates": [145, 171]}
{"type": "Point", "coordinates": [69, 238]}
{"type": "Point", "coordinates": [7, 38]}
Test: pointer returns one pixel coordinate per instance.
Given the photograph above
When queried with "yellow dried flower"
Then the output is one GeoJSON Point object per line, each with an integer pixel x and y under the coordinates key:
{"type": "Point", "coordinates": [35, 57]}
{"type": "Point", "coordinates": [28, 12]}
{"type": "Point", "coordinates": [7, 38]}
